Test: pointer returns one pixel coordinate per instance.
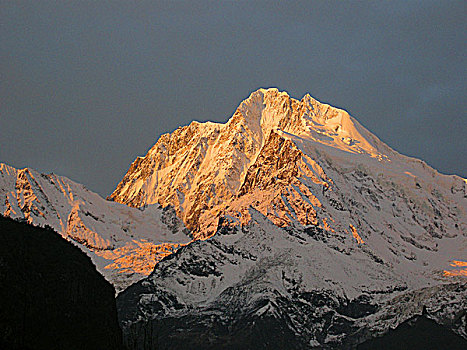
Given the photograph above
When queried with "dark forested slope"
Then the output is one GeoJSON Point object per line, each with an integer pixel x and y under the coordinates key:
{"type": "Point", "coordinates": [51, 296]}
{"type": "Point", "coordinates": [418, 332]}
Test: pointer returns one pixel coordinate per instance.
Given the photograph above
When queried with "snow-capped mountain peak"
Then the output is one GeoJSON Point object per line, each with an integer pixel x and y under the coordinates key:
{"type": "Point", "coordinates": [266, 110]}
{"type": "Point", "coordinates": [315, 228]}
{"type": "Point", "coordinates": [202, 169]}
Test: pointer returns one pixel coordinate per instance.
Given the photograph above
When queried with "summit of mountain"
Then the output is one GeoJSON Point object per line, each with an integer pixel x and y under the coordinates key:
{"type": "Point", "coordinates": [293, 160]}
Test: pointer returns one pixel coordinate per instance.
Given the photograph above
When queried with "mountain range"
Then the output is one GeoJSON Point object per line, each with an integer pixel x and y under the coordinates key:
{"type": "Point", "coordinates": [289, 225]}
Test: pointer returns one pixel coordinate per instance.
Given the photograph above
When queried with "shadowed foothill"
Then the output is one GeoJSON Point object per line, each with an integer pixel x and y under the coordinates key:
{"type": "Point", "coordinates": [51, 296]}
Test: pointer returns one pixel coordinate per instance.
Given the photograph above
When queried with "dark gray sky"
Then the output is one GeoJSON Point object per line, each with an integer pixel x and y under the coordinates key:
{"type": "Point", "coordinates": [88, 86]}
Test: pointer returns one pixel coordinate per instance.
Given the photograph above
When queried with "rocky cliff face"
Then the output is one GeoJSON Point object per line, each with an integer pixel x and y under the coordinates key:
{"type": "Point", "coordinates": [202, 166]}
{"type": "Point", "coordinates": [51, 296]}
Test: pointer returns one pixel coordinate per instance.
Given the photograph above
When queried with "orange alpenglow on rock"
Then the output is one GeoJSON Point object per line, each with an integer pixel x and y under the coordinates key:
{"type": "Point", "coordinates": [356, 235]}
{"type": "Point", "coordinates": [139, 257]}
{"type": "Point", "coordinates": [460, 269]}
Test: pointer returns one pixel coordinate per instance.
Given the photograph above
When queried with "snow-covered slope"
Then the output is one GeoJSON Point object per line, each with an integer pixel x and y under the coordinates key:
{"type": "Point", "coordinates": [125, 243]}
{"type": "Point", "coordinates": [260, 286]}
{"type": "Point", "coordinates": [314, 206]}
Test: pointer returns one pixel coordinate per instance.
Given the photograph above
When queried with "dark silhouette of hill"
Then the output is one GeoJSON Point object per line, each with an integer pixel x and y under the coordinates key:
{"type": "Point", "coordinates": [51, 296]}
{"type": "Point", "coordinates": [417, 333]}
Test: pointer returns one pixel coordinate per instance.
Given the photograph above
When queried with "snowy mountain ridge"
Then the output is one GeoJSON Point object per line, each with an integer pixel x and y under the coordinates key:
{"type": "Point", "coordinates": [124, 243]}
